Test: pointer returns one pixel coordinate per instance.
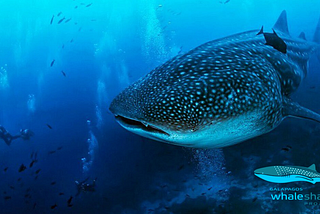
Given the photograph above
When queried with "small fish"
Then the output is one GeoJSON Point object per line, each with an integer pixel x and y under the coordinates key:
{"type": "Point", "coordinates": [75, 7]}
{"type": "Point", "coordinates": [51, 152]}
{"type": "Point", "coordinates": [289, 147]}
{"type": "Point", "coordinates": [70, 205]}
{"type": "Point", "coordinates": [225, 2]}
{"type": "Point", "coordinates": [64, 74]}
{"type": "Point", "coordinates": [70, 200]}
{"type": "Point", "coordinates": [210, 188]}
{"type": "Point", "coordinates": [68, 20]}
{"type": "Point", "coordinates": [59, 148]}
{"type": "Point", "coordinates": [180, 50]}
{"type": "Point", "coordinates": [50, 127]}
{"type": "Point", "coordinates": [89, 5]}
{"type": "Point", "coordinates": [31, 156]}
{"type": "Point", "coordinates": [31, 164]}
{"type": "Point", "coordinates": [93, 20]}
{"type": "Point", "coordinates": [80, 28]}
{"type": "Point", "coordinates": [273, 40]}
{"type": "Point", "coordinates": [188, 196]}
{"type": "Point", "coordinates": [38, 171]}
{"type": "Point", "coordinates": [254, 199]}
{"type": "Point", "coordinates": [61, 20]}
{"type": "Point", "coordinates": [203, 193]}
{"type": "Point", "coordinates": [4, 192]}
{"type": "Point", "coordinates": [28, 190]}
{"type": "Point", "coordinates": [52, 63]}
{"type": "Point", "coordinates": [34, 205]}
{"type": "Point", "coordinates": [35, 178]}
{"type": "Point", "coordinates": [312, 87]}
{"type": "Point", "coordinates": [5, 169]}
{"type": "Point", "coordinates": [19, 179]}
{"type": "Point", "coordinates": [285, 149]}
{"type": "Point", "coordinates": [53, 183]}
{"type": "Point", "coordinates": [7, 197]}
{"type": "Point", "coordinates": [22, 168]}
{"type": "Point", "coordinates": [54, 206]}
{"type": "Point", "coordinates": [181, 167]}
{"type": "Point", "coordinates": [62, 46]}
{"type": "Point", "coordinates": [61, 193]}
{"type": "Point", "coordinates": [27, 195]}
{"type": "Point", "coordinates": [51, 20]}
{"type": "Point", "coordinates": [12, 187]}
{"type": "Point", "coordinates": [59, 13]}
{"type": "Point", "coordinates": [163, 186]}
{"type": "Point", "coordinates": [71, 40]}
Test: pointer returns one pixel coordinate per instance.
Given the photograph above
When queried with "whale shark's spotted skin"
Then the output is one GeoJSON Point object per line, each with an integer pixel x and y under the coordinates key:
{"type": "Point", "coordinates": [288, 170]}
{"type": "Point", "coordinates": [218, 94]}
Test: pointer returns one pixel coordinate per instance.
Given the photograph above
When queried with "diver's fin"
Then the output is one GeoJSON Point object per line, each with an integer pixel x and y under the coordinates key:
{"type": "Point", "coordinates": [303, 36]}
{"type": "Point", "coordinates": [312, 167]}
{"type": "Point", "coordinates": [282, 24]}
{"type": "Point", "coordinates": [261, 31]}
{"type": "Point", "coordinates": [292, 109]}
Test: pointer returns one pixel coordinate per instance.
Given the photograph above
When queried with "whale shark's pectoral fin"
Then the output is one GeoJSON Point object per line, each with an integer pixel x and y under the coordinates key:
{"type": "Point", "coordinates": [307, 179]}
{"type": "Point", "coordinates": [292, 109]}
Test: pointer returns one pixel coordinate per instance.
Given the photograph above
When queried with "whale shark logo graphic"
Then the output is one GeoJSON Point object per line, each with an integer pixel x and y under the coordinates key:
{"type": "Point", "coordinates": [287, 174]}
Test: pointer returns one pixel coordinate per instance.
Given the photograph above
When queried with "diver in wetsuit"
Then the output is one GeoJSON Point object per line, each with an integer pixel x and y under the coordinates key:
{"type": "Point", "coordinates": [85, 187]}
{"type": "Point", "coordinates": [25, 134]}
{"type": "Point", "coordinates": [6, 136]}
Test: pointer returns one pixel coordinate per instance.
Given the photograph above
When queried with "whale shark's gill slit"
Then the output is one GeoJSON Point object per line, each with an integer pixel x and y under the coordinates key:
{"type": "Point", "coordinates": [137, 124]}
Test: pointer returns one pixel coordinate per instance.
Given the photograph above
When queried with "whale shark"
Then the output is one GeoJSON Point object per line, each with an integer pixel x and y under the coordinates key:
{"type": "Point", "coordinates": [222, 92]}
{"type": "Point", "coordinates": [287, 174]}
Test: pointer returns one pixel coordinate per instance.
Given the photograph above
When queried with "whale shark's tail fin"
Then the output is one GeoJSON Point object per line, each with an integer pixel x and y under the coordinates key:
{"type": "Point", "coordinates": [282, 23]}
{"type": "Point", "coordinates": [292, 109]}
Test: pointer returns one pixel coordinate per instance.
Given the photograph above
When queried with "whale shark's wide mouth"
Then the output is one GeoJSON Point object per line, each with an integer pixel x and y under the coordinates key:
{"type": "Point", "coordinates": [130, 123]}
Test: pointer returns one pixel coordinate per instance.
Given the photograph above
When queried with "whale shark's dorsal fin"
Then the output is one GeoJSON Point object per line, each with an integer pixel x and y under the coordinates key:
{"type": "Point", "coordinates": [282, 23]}
{"type": "Point", "coordinates": [316, 37]}
{"type": "Point", "coordinates": [292, 109]}
{"type": "Point", "coordinates": [302, 36]}
{"type": "Point", "coordinates": [312, 167]}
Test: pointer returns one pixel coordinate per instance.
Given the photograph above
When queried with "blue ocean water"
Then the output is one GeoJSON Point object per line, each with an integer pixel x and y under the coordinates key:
{"type": "Point", "coordinates": [58, 80]}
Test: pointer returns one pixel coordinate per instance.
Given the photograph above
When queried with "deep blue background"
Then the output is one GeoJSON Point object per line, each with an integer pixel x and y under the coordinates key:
{"type": "Point", "coordinates": [103, 49]}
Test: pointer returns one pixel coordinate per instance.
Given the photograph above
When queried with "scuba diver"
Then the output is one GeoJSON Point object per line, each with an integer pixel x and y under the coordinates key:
{"type": "Point", "coordinates": [85, 187]}
{"type": "Point", "coordinates": [25, 134]}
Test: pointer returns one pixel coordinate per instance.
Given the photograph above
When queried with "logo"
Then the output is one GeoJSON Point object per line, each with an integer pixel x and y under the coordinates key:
{"type": "Point", "coordinates": [287, 174]}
